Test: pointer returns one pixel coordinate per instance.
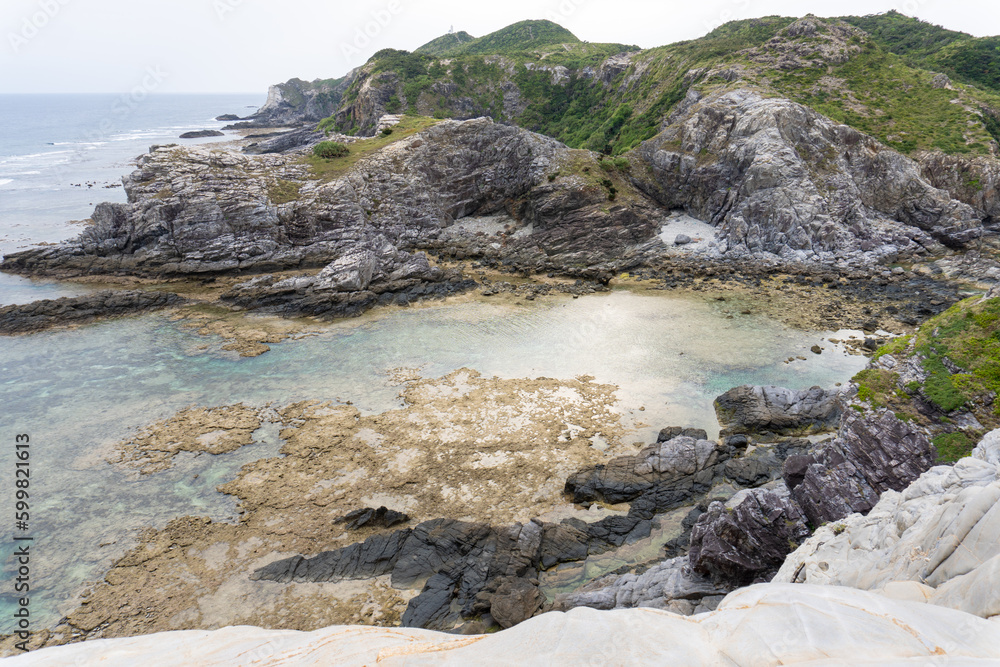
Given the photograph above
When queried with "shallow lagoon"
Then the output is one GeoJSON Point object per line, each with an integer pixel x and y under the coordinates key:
{"type": "Point", "coordinates": [78, 392]}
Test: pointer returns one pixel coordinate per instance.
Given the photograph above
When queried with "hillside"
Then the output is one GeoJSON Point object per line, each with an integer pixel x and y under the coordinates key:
{"type": "Point", "coordinates": [445, 43]}
{"type": "Point", "coordinates": [961, 56]}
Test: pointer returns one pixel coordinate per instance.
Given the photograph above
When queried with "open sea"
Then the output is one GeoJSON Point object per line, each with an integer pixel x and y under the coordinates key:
{"type": "Point", "coordinates": [62, 154]}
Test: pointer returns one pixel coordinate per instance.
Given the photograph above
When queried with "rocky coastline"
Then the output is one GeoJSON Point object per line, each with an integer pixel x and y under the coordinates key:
{"type": "Point", "coordinates": [410, 517]}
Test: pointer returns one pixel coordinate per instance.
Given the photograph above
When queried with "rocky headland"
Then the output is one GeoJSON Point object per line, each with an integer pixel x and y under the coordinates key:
{"type": "Point", "coordinates": [483, 504]}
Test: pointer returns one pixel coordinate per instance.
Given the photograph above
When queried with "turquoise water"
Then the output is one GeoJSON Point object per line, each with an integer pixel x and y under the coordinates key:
{"type": "Point", "coordinates": [78, 392]}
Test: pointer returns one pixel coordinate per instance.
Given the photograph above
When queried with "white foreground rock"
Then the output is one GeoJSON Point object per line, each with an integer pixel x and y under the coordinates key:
{"type": "Point", "coordinates": [936, 541]}
{"type": "Point", "coordinates": [767, 624]}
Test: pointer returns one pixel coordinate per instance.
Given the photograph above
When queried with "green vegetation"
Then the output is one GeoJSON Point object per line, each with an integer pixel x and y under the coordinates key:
{"type": "Point", "coordinates": [520, 36]}
{"type": "Point", "coordinates": [328, 169]}
{"type": "Point", "coordinates": [445, 43]}
{"type": "Point", "coordinates": [879, 387]}
{"type": "Point", "coordinates": [283, 192]}
{"type": "Point", "coordinates": [966, 337]}
{"type": "Point", "coordinates": [959, 55]}
{"type": "Point", "coordinates": [330, 149]}
{"type": "Point", "coordinates": [952, 446]}
{"type": "Point", "coordinates": [539, 76]}
{"type": "Point", "coordinates": [894, 346]}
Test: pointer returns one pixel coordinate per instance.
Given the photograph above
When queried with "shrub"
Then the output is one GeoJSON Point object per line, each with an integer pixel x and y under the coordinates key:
{"type": "Point", "coordinates": [386, 131]}
{"type": "Point", "coordinates": [952, 446]}
{"type": "Point", "coordinates": [330, 149]}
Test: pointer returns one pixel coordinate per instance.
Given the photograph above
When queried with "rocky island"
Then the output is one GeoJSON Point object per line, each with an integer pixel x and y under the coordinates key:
{"type": "Point", "coordinates": [774, 162]}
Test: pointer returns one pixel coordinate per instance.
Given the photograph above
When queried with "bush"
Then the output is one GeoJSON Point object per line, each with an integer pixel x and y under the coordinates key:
{"type": "Point", "coordinates": [386, 131]}
{"type": "Point", "coordinates": [330, 149]}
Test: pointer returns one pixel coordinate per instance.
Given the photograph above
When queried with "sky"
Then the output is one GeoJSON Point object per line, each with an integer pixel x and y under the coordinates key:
{"type": "Point", "coordinates": [219, 46]}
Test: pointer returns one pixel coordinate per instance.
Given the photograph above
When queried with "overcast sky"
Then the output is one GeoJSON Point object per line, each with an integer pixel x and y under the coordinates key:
{"type": "Point", "coordinates": [245, 45]}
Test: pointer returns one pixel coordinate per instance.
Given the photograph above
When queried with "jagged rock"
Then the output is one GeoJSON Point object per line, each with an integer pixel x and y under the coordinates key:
{"type": "Point", "coordinates": [284, 142]}
{"type": "Point", "coordinates": [755, 409]}
{"type": "Point", "coordinates": [296, 102]}
{"type": "Point", "coordinates": [657, 587]}
{"type": "Point", "coordinates": [774, 176]}
{"type": "Point", "coordinates": [628, 477]}
{"type": "Point", "coordinates": [747, 538]}
{"type": "Point", "coordinates": [974, 180]}
{"type": "Point", "coordinates": [937, 540]}
{"type": "Point", "coordinates": [515, 600]}
{"type": "Point", "coordinates": [382, 517]}
{"type": "Point", "coordinates": [194, 210]}
{"type": "Point", "coordinates": [873, 453]}
{"type": "Point", "coordinates": [201, 134]}
{"type": "Point", "coordinates": [47, 313]}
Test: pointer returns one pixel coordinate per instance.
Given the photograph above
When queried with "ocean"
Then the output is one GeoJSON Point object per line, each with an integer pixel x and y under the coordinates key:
{"type": "Point", "coordinates": [60, 155]}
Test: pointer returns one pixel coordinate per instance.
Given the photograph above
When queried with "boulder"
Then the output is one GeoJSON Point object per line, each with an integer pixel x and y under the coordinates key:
{"type": "Point", "coordinates": [754, 409]}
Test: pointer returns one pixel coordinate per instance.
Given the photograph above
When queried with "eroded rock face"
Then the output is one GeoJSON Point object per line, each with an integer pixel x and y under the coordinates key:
{"type": "Point", "coordinates": [628, 477]}
{"type": "Point", "coordinates": [937, 540]}
{"type": "Point", "coordinates": [768, 624]}
{"type": "Point", "coordinates": [777, 177]}
{"type": "Point", "coordinates": [747, 538]}
{"type": "Point", "coordinates": [874, 453]}
{"type": "Point", "coordinates": [973, 180]}
{"type": "Point", "coordinates": [750, 409]}
{"type": "Point", "coordinates": [48, 313]}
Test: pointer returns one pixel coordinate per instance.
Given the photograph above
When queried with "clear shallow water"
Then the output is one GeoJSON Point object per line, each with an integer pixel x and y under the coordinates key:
{"type": "Point", "coordinates": [77, 392]}
{"type": "Point", "coordinates": [48, 143]}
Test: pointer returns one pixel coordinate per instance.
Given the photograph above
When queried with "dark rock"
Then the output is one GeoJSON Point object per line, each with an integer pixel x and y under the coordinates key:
{"type": "Point", "coordinates": [755, 409]}
{"type": "Point", "coordinates": [671, 432]}
{"type": "Point", "coordinates": [628, 477]}
{"type": "Point", "coordinates": [516, 599]}
{"type": "Point", "coordinates": [873, 454]}
{"type": "Point", "coordinates": [746, 540]}
{"type": "Point", "coordinates": [39, 315]}
{"type": "Point", "coordinates": [682, 239]}
{"type": "Point", "coordinates": [284, 141]}
{"type": "Point", "coordinates": [373, 518]}
{"type": "Point", "coordinates": [227, 117]}
{"type": "Point", "coordinates": [201, 134]}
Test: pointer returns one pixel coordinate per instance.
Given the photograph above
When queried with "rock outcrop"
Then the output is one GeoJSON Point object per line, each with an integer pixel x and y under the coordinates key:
{"type": "Point", "coordinates": [202, 211]}
{"type": "Point", "coordinates": [873, 453]}
{"type": "Point", "coordinates": [746, 539]}
{"type": "Point", "coordinates": [764, 625]}
{"type": "Point", "coordinates": [751, 410]}
{"type": "Point", "coordinates": [297, 102]}
{"type": "Point", "coordinates": [937, 540]}
{"type": "Point", "coordinates": [49, 313]}
{"type": "Point", "coordinates": [777, 177]}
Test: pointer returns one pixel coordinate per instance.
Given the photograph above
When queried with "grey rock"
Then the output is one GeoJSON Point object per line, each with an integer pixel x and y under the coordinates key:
{"type": "Point", "coordinates": [748, 165]}
{"type": "Point", "coordinates": [682, 239]}
{"type": "Point", "coordinates": [48, 313]}
{"type": "Point", "coordinates": [628, 477]}
{"type": "Point", "coordinates": [873, 453]}
{"type": "Point", "coordinates": [747, 539]}
{"type": "Point", "coordinates": [657, 587]}
{"type": "Point", "coordinates": [754, 409]}
{"type": "Point", "coordinates": [201, 134]}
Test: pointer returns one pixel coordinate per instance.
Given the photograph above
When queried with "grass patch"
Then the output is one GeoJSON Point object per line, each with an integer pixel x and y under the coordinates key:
{"type": "Point", "coordinates": [895, 346]}
{"type": "Point", "coordinates": [966, 337]}
{"type": "Point", "coordinates": [330, 150]}
{"type": "Point", "coordinates": [283, 192]}
{"type": "Point", "coordinates": [879, 387]}
{"type": "Point", "coordinates": [952, 446]}
{"type": "Point", "coordinates": [329, 169]}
